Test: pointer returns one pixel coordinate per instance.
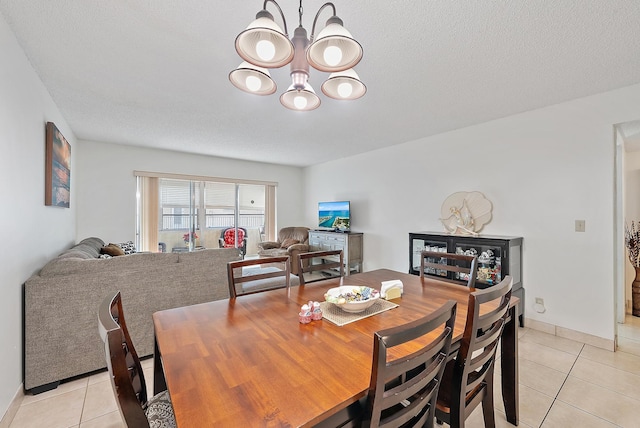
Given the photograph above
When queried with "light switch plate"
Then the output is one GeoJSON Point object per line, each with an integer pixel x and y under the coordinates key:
{"type": "Point", "coordinates": [580, 225]}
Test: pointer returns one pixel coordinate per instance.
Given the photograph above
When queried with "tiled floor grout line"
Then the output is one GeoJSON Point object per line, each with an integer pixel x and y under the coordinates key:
{"type": "Point", "coordinates": [84, 402]}
{"type": "Point", "coordinates": [561, 386]}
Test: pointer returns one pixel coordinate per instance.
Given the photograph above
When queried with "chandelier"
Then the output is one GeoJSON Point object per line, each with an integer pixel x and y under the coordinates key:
{"type": "Point", "coordinates": [264, 45]}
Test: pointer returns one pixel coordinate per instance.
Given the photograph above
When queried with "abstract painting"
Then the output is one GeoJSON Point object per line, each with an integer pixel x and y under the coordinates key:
{"type": "Point", "coordinates": [58, 168]}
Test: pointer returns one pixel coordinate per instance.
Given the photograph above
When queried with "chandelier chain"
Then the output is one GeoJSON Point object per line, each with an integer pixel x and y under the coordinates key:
{"type": "Point", "coordinates": [300, 12]}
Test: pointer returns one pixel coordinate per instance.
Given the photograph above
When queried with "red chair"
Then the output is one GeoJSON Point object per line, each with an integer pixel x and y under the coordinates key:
{"type": "Point", "coordinates": [228, 239]}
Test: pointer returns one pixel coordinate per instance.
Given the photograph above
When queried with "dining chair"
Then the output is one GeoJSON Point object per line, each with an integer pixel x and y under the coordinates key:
{"type": "Point", "coordinates": [450, 265]}
{"type": "Point", "coordinates": [252, 276]}
{"type": "Point", "coordinates": [318, 262]}
{"type": "Point", "coordinates": [127, 377]}
{"type": "Point", "coordinates": [403, 389]}
{"type": "Point", "coordinates": [468, 379]}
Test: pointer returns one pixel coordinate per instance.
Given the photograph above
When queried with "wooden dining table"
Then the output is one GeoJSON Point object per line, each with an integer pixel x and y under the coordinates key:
{"type": "Point", "coordinates": [249, 362]}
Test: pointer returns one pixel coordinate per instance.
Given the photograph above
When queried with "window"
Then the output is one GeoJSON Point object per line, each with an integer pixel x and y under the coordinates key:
{"type": "Point", "coordinates": [181, 213]}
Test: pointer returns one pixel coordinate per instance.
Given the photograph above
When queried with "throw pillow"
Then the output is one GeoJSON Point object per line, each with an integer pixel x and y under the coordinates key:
{"type": "Point", "coordinates": [289, 242]}
{"type": "Point", "coordinates": [112, 250]}
{"type": "Point", "coordinates": [128, 247]}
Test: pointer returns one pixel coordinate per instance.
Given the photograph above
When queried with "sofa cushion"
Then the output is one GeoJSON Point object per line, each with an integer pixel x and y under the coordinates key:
{"type": "Point", "coordinates": [73, 254]}
{"type": "Point", "coordinates": [94, 242]}
{"type": "Point", "coordinates": [289, 242]}
{"type": "Point", "coordinates": [112, 250]}
{"type": "Point", "coordinates": [90, 250]}
{"type": "Point", "coordinates": [300, 233]}
{"type": "Point", "coordinates": [274, 252]}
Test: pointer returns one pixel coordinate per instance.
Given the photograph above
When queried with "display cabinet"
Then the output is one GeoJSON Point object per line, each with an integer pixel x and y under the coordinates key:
{"type": "Point", "coordinates": [498, 256]}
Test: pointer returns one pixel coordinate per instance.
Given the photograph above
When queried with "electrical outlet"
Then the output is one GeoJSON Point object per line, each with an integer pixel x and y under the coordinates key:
{"type": "Point", "coordinates": [539, 301]}
{"type": "Point", "coordinates": [580, 225]}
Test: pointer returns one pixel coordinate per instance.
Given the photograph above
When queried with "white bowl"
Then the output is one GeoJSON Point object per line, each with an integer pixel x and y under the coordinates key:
{"type": "Point", "coordinates": [339, 295]}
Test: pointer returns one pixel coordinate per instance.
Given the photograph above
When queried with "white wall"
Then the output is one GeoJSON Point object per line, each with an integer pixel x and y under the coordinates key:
{"type": "Point", "coordinates": [541, 169]}
{"type": "Point", "coordinates": [107, 186]}
{"type": "Point", "coordinates": [34, 233]}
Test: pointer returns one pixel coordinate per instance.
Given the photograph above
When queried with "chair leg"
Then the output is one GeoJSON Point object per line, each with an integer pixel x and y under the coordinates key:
{"type": "Point", "coordinates": [487, 404]}
{"type": "Point", "coordinates": [457, 421]}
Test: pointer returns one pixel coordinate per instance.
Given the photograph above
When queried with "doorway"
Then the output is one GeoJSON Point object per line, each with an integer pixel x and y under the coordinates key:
{"type": "Point", "coordinates": [627, 203]}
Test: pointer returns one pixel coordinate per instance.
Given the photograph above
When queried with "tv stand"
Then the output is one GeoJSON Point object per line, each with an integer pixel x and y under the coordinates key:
{"type": "Point", "coordinates": [349, 242]}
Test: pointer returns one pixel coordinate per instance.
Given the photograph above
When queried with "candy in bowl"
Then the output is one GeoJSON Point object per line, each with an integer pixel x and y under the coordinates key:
{"type": "Point", "coordinates": [352, 298]}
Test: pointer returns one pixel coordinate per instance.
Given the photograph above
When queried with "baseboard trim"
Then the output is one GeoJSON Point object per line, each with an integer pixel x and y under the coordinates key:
{"type": "Point", "coordinates": [567, 333]}
{"type": "Point", "coordinates": [13, 408]}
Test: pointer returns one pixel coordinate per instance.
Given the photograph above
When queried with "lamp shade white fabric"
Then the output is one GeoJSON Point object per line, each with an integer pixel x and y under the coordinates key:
{"type": "Point", "coordinates": [300, 99]}
{"type": "Point", "coordinates": [344, 85]}
{"type": "Point", "coordinates": [264, 44]}
{"type": "Point", "coordinates": [252, 79]}
{"type": "Point", "coordinates": [334, 49]}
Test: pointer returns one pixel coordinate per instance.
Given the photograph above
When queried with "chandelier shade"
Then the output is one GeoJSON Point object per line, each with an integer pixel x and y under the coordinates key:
{"type": "Point", "coordinates": [264, 43]}
{"type": "Point", "coordinates": [334, 49]}
{"type": "Point", "coordinates": [300, 99]}
{"type": "Point", "coordinates": [344, 85]}
{"type": "Point", "coordinates": [252, 79]}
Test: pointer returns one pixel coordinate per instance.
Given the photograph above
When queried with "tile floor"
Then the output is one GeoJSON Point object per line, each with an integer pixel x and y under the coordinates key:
{"type": "Point", "coordinates": [563, 383]}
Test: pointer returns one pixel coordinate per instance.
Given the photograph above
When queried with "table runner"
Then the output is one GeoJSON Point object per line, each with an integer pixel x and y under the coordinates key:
{"type": "Point", "coordinates": [334, 314]}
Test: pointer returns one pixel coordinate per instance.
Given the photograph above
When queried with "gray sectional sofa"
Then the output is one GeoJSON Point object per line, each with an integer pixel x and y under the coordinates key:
{"type": "Point", "coordinates": [60, 303]}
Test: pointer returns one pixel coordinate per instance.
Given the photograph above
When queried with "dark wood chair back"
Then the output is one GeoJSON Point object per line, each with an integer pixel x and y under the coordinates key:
{"type": "Point", "coordinates": [261, 279]}
{"type": "Point", "coordinates": [443, 263]}
{"type": "Point", "coordinates": [127, 378]}
{"type": "Point", "coordinates": [329, 262]}
{"type": "Point", "coordinates": [403, 390]}
{"type": "Point", "coordinates": [468, 379]}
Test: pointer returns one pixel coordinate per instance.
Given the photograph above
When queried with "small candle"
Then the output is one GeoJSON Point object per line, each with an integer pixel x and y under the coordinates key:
{"type": "Point", "coordinates": [317, 312]}
{"type": "Point", "coordinates": [305, 315]}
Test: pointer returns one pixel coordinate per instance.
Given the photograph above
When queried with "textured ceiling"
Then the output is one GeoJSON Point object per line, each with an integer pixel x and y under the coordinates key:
{"type": "Point", "coordinates": [154, 73]}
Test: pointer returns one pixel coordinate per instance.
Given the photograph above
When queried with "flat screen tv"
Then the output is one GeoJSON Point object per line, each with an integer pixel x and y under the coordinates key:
{"type": "Point", "coordinates": [334, 215]}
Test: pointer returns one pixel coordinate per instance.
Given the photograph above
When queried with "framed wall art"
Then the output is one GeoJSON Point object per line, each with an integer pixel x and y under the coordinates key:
{"type": "Point", "coordinates": [58, 168]}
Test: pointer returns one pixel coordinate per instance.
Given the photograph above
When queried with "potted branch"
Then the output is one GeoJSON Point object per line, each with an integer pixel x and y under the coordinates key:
{"type": "Point", "coordinates": [632, 242]}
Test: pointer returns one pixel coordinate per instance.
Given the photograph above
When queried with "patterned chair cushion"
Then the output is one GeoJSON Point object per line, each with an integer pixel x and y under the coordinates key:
{"type": "Point", "coordinates": [229, 237]}
{"type": "Point", "coordinates": [159, 411]}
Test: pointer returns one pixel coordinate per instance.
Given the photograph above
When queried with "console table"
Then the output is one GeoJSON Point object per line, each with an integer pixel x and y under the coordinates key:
{"type": "Point", "coordinates": [349, 242]}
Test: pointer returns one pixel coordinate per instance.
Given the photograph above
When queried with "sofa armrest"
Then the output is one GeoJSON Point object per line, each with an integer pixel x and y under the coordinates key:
{"type": "Point", "coordinates": [267, 245]}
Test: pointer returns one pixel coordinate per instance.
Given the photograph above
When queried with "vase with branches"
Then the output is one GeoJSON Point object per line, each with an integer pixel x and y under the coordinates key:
{"type": "Point", "coordinates": [632, 242]}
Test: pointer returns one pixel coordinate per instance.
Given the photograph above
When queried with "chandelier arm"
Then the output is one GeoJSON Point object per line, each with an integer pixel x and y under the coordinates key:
{"type": "Point", "coordinates": [284, 21]}
{"type": "Point", "coordinates": [313, 28]}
